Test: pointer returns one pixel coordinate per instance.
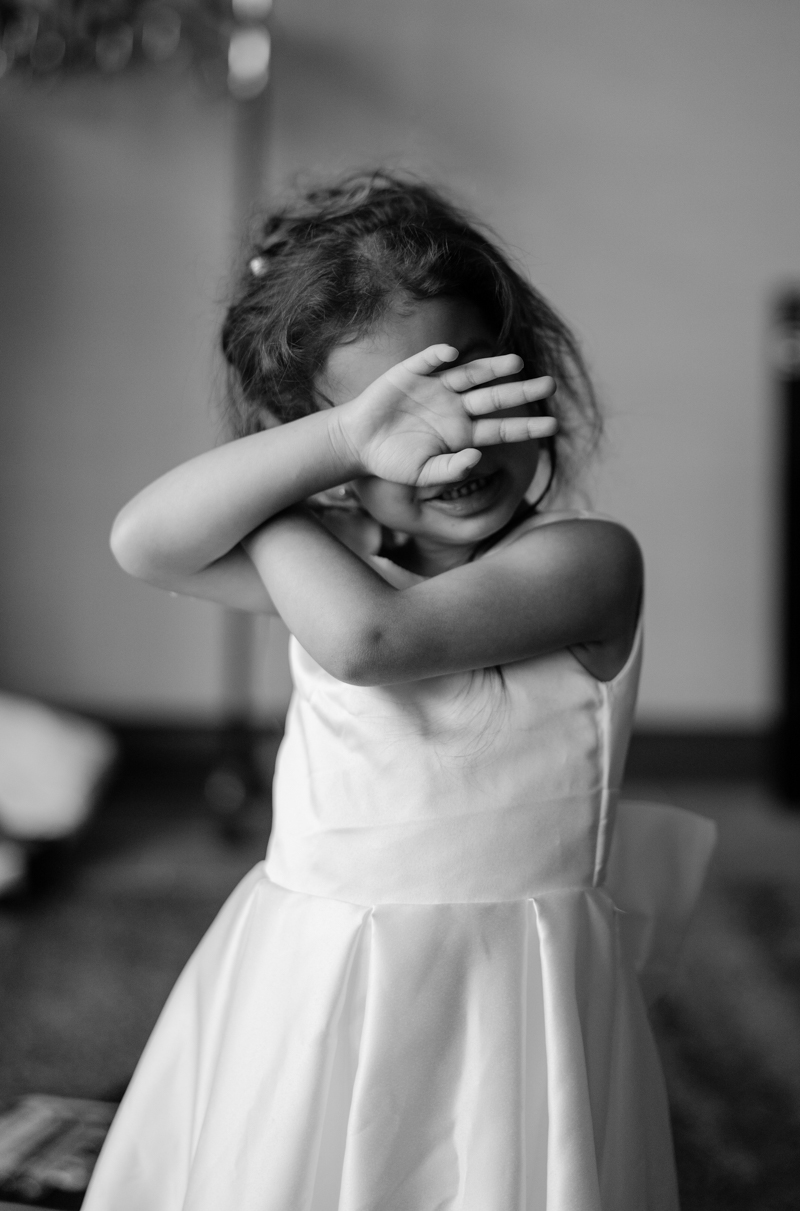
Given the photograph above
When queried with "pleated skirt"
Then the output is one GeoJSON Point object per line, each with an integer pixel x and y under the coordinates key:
{"type": "Point", "coordinates": [319, 1055]}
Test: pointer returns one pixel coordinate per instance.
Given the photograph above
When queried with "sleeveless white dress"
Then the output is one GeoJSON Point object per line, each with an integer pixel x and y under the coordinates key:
{"type": "Point", "coordinates": [426, 998]}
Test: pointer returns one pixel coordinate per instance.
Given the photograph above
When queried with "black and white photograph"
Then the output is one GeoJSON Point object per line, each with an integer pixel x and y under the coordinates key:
{"type": "Point", "coordinates": [399, 605]}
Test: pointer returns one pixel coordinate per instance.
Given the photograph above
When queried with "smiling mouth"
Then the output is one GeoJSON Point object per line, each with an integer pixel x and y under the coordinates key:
{"type": "Point", "coordinates": [478, 487]}
{"type": "Point", "coordinates": [468, 489]}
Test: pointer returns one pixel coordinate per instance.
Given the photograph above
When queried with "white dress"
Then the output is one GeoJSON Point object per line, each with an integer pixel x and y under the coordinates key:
{"type": "Point", "coordinates": [425, 999]}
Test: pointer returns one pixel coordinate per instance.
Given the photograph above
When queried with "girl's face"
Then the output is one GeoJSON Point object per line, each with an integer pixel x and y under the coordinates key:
{"type": "Point", "coordinates": [446, 523]}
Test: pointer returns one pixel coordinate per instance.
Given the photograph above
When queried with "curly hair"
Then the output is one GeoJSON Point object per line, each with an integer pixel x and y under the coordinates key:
{"type": "Point", "coordinates": [328, 264]}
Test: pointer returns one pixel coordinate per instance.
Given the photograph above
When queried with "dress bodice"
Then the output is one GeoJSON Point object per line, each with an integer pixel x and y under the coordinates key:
{"type": "Point", "coordinates": [486, 785]}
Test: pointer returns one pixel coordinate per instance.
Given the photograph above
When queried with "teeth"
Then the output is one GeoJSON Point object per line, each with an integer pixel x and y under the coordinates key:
{"type": "Point", "coordinates": [467, 489]}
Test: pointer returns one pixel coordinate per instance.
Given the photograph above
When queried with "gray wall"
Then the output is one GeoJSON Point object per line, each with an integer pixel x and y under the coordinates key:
{"type": "Point", "coordinates": [641, 160]}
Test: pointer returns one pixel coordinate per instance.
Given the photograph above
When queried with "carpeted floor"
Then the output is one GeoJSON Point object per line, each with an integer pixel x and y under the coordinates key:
{"type": "Point", "coordinates": [729, 1031]}
{"type": "Point", "coordinates": [88, 957]}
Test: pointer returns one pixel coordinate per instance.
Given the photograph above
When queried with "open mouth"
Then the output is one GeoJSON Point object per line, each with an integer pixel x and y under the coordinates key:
{"type": "Point", "coordinates": [472, 494]}
{"type": "Point", "coordinates": [467, 489]}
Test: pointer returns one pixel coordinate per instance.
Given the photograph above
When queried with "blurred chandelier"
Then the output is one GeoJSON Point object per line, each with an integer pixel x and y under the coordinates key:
{"type": "Point", "coordinates": [220, 38]}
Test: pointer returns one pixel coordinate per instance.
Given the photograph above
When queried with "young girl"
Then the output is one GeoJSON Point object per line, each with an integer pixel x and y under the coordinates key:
{"type": "Point", "coordinates": [422, 999]}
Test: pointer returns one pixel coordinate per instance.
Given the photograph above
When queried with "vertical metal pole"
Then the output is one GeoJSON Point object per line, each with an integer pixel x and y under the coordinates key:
{"type": "Point", "coordinates": [250, 159]}
{"type": "Point", "coordinates": [235, 780]}
{"type": "Point", "coordinates": [786, 358]}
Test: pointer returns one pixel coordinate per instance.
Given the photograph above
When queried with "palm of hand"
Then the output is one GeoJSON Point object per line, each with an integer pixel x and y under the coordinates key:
{"type": "Point", "coordinates": [412, 420]}
{"type": "Point", "coordinates": [414, 426]}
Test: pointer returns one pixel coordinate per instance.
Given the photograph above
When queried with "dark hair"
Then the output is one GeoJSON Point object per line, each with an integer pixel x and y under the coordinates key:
{"type": "Point", "coordinates": [328, 264]}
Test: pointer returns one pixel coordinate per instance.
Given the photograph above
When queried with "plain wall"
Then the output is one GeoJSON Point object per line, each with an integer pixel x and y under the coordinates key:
{"type": "Point", "coordinates": [639, 158]}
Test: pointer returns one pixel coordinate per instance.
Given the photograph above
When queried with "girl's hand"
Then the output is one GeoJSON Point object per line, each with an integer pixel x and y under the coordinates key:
{"type": "Point", "coordinates": [417, 426]}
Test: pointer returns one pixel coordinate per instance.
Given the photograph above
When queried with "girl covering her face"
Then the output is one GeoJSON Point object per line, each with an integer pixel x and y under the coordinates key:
{"type": "Point", "coordinates": [426, 996]}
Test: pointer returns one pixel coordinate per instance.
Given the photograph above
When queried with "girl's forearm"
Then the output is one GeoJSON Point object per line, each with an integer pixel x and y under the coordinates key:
{"type": "Point", "coordinates": [339, 608]}
{"type": "Point", "coordinates": [196, 513]}
{"type": "Point", "coordinates": [566, 585]}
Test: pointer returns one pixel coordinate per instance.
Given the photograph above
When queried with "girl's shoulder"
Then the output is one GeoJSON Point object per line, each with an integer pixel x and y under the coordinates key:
{"type": "Point", "coordinates": [592, 555]}
{"type": "Point", "coordinates": [581, 519]}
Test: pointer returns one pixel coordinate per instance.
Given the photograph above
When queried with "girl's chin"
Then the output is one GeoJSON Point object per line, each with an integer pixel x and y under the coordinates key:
{"type": "Point", "coordinates": [467, 532]}
{"type": "Point", "coordinates": [475, 497]}
{"type": "Point", "coordinates": [463, 515]}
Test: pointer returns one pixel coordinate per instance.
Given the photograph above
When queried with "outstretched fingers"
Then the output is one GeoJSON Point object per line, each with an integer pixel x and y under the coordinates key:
{"type": "Point", "coordinates": [497, 430]}
{"type": "Point", "coordinates": [430, 359]}
{"type": "Point", "coordinates": [481, 370]}
{"type": "Point", "coordinates": [484, 400]}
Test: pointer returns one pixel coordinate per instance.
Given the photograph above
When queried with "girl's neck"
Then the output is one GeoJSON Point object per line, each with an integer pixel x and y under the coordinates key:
{"type": "Point", "coordinates": [426, 557]}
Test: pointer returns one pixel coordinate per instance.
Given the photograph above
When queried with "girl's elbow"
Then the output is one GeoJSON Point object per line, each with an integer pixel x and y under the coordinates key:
{"type": "Point", "coordinates": [359, 659]}
{"type": "Point", "coordinates": [129, 548]}
{"type": "Point", "coordinates": [351, 674]}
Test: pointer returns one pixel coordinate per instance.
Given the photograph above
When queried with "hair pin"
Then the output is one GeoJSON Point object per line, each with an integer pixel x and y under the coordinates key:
{"type": "Point", "coordinates": [258, 266]}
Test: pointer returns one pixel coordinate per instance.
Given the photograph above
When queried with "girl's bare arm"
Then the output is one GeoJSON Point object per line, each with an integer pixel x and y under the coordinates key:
{"type": "Point", "coordinates": [183, 531]}
{"type": "Point", "coordinates": [570, 584]}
